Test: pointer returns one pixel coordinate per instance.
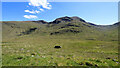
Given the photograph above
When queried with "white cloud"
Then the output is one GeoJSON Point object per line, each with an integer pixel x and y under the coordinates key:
{"type": "Point", "coordinates": [37, 11]}
{"type": "Point", "coordinates": [40, 3]}
{"type": "Point", "coordinates": [33, 12]}
{"type": "Point", "coordinates": [30, 16]}
{"type": "Point", "coordinates": [41, 9]}
{"type": "Point", "coordinates": [29, 3]}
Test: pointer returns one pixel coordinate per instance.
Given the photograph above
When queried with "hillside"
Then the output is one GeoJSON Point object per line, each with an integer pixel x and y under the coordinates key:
{"type": "Point", "coordinates": [32, 43]}
{"type": "Point", "coordinates": [64, 26]}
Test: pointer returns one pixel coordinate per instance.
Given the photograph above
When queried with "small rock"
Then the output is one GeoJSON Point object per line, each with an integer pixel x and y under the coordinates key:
{"type": "Point", "coordinates": [20, 58]}
{"type": "Point", "coordinates": [88, 64]}
{"type": "Point", "coordinates": [22, 49]}
{"type": "Point", "coordinates": [114, 60]}
{"type": "Point", "coordinates": [68, 58]}
{"type": "Point", "coordinates": [108, 58]}
{"type": "Point", "coordinates": [32, 55]}
{"type": "Point", "coordinates": [117, 62]}
{"type": "Point", "coordinates": [48, 61]}
{"type": "Point", "coordinates": [43, 56]}
{"type": "Point", "coordinates": [81, 63]}
{"type": "Point", "coordinates": [51, 57]}
{"type": "Point", "coordinates": [28, 50]}
{"type": "Point", "coordinates": [96, 65]}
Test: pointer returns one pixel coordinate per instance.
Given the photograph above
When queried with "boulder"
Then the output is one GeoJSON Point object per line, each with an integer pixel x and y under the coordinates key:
{"type": "Point", "coordinates": [57, 47]}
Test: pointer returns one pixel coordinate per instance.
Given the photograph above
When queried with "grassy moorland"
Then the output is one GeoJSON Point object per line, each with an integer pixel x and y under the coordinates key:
{"type": "Point", "coordinates": [31, 43]}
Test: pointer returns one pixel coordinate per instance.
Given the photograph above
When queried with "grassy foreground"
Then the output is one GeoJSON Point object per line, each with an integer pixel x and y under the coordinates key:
{"type": "Point", "coordinates": [39, 51]}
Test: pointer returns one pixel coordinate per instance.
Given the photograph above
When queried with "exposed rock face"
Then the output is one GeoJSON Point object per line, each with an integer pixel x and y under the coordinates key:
{"type": "Point", "coordinates": [62, 19]}
{"type": "Point", "coordinates": [28, 31]}
{"type": "Point", "coordinates": [78, 19]}
{"type": "Point", "coordinates": [67, 19]}
{"type": "Point", "coordinates": [65, 31]}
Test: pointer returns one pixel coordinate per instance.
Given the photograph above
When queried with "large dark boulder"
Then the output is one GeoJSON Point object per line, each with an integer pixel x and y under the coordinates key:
{"type": "Point", "coordinates": [57, 47]}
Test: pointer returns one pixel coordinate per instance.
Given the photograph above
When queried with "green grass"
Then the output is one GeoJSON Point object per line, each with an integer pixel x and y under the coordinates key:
{"type": "Point", "coordinates": [74, 52]}
{"type": "Point", "coordinates": [91, 47]}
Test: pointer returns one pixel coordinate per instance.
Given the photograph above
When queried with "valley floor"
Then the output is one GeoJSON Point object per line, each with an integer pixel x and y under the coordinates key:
{"type": "Point", "coordinates": [40, 51]}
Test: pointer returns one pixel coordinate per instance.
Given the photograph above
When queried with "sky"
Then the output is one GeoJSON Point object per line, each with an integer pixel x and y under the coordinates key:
{"type": "Point", "coordinates": [101, 13]}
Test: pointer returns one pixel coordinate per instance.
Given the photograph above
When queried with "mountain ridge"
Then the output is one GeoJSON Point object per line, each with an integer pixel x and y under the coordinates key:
{"type": "Point", "coordinates": [65, 19]}
{"type": "Point", "coordinates": [68, 19]}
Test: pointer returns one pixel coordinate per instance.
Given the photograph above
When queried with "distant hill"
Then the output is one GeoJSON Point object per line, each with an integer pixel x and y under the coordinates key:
{"type": "Point", "coordinates": [64, 26]}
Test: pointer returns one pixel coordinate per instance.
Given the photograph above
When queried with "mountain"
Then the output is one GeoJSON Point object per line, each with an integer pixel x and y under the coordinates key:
{"type": "Point", "coordinates": [64, 26]}
{"type": "Point", "coordinates": [66, 19]}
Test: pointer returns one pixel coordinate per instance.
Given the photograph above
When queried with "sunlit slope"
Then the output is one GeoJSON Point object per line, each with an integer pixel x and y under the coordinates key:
{"type": "Point", "coordinates": [31, 43]}
{"type": "Point", "coordinates": [61, 27]}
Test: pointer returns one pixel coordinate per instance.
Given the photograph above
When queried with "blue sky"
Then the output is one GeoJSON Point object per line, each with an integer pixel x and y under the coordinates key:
{"type": "Point", "coordinates": [95, 12]}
